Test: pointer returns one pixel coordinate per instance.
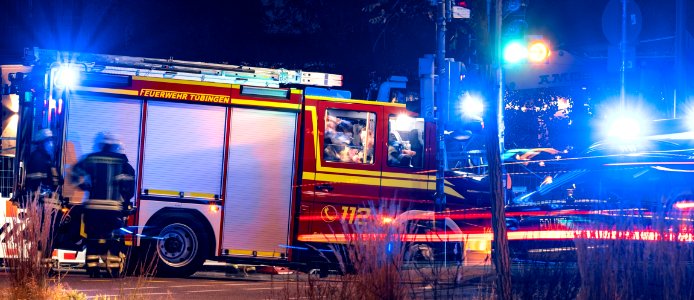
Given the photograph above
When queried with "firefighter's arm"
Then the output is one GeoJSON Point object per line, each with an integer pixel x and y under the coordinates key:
{"type": "Point", "coordinates": [126, 182]}
{"type": "Point", "coordinates": [78, 176]}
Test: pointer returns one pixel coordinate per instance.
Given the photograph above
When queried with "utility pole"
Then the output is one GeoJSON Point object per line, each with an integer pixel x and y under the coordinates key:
{"type": "Point", "coordinates": [680, 36]}
{"type": "Point", "coordinates": [442, 9]}
{"type": "Point", "coordinates": [495, 143]}
{"type": "Point", "coordinates": [623, 58]}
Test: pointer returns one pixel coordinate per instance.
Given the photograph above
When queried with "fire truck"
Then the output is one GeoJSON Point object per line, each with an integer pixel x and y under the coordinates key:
{"type": "Point", "coordinates": [232, 162]}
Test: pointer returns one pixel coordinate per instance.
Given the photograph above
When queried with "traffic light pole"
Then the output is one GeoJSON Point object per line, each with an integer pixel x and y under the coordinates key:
{"type": "Point", "coordinates": [495, 144]}
{"type": "Point", "coordinates": [440, 102]}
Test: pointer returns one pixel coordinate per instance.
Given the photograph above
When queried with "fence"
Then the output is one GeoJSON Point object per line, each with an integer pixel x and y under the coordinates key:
{"type": "Point", "coordinates": [6, 177]}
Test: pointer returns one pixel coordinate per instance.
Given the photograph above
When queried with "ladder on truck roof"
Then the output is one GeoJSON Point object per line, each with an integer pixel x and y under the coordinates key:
{"type": "Point", "coordinates": [180, 69]}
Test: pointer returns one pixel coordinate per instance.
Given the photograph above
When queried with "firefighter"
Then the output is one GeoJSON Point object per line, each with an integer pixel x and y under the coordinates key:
{"type": "Point", "coordinates": [42, 182]}
{"type": "Point", "coordinates": [42, 175]}
{"type": "Point", "coordinates": [109, 179]}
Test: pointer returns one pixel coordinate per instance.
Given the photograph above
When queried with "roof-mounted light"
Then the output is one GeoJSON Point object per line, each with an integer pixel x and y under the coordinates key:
{"type": "Point", "coordinates": [66, 77]}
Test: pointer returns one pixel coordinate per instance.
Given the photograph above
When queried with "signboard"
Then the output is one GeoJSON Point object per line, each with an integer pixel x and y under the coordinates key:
{"type": "Point", "coordinates": [562, 69]}
{"type": "Point", "coordinates": [176, 95]}
{"type": "Point", "coordinates": [460, 12]}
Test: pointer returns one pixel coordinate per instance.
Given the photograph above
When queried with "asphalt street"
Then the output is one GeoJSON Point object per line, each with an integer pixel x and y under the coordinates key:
{"type": "Point", "coordinates": [202, 285]}
{"type": "Point", "coordinates": [214, 284]}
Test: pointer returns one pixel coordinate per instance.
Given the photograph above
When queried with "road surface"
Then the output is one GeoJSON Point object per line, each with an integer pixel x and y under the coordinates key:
{"type": "Point", "coordinates": [215, 284]}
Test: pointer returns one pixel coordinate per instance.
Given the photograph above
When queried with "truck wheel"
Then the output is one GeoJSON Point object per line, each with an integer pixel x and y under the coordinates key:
{"type": "Point", "coordinates": [180, 247]}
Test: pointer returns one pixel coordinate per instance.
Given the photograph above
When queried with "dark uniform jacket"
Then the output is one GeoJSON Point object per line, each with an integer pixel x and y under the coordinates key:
{"type": "Point", "coordinates": [109, 179]}
{"type": "Point", "coordinates": [41, 172]}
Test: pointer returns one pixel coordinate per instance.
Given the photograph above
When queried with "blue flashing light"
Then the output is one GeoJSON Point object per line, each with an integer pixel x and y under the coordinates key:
{"type": "Point", "coordinates": [627, 130]}
{"type": "Point", "coordinates": [625, 127]}
{"type": "Point", "coordinates": [66, 77]}
{"type": "Point", "coordinates": [472, 105]}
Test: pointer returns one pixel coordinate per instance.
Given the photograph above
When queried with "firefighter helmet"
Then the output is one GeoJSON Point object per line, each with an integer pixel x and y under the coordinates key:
{"type": "Point", "coordinates": [43, 135]}
{"type": "Point", "coordinates": [107, 138]}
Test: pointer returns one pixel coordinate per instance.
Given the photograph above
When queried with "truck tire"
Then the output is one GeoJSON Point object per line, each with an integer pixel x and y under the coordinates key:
{"type": "Point", "coordinates": [179, 245]}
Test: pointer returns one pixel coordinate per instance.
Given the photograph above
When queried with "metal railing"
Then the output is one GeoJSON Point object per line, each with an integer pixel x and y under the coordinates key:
{"type": "Point", "coordinates": [6, 176]}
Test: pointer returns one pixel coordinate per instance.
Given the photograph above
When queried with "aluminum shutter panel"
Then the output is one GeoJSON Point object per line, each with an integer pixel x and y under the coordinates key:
{"type": "Point", "coordinates": [89, 114]}
{"type": "Point", "coordinates": [183, 147]}
{"type": "Point", "coordinates": [259, 185]}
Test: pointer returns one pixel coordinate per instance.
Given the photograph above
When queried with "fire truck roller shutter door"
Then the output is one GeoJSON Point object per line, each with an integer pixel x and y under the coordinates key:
{"type": "Point", "coordinates": [89, 114]}
{"type": "Point", "coordinates": [259, 184]}
{"type": "Point", "coordinates": [184, 147]}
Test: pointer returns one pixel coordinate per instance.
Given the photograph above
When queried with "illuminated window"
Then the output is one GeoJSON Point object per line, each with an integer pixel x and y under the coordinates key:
{"type": "Point", "coordinates": [349, 136]}
{"type": "Point", "coordinates": [405, 142]}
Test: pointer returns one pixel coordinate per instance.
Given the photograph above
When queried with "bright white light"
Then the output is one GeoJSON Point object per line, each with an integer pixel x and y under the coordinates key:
{"type": "Point", "coordinates": [625, 128]}
{"type": "Point", "coordinates": [66, 77]}
{"type": "Point", "coordinates": [515, 52]}
{"type": "Point", "coordinates": [472, 106]}
{"type": "Point", "coordinates": [404, 123]}
{"type": "Point", "coordinates": [690, 123]}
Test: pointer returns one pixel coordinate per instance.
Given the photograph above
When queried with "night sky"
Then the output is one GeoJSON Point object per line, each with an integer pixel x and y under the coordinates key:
{"type": "Point", "coordinates": [315, 35]}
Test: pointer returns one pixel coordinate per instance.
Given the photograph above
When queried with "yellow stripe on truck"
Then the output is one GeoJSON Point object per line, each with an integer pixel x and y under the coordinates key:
{"type": "Point", "coordinates": [411, 184]}
{"type": "Point", "coordinates": [342, 100]}
{"type": "Point", "coordinates": [178, 194]}
{"type": "Point", "coordinates": [375, 181]}
{"type": "Point", "coordinates": [163, 192]}
{"type": "Point", "coordinates": [108, 91]}
{"type": "Point", "coordinates": [252, 252]}
{"type": "Point", "coordinates": [265, 103]}
{"type": "Point", "coordinates": [348, 179]}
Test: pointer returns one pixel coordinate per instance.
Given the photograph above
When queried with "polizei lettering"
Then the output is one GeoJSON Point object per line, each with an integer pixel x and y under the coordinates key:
{"type": "Point", "coordinates": [197, 97]}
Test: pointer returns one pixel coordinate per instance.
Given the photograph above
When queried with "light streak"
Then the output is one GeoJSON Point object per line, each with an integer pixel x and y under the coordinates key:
{"type": "Point", "coordinates": [526, 235]}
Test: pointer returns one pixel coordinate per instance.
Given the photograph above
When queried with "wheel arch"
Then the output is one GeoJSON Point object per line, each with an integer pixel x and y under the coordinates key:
{"type": "Point", "coordinates": [179, 213]}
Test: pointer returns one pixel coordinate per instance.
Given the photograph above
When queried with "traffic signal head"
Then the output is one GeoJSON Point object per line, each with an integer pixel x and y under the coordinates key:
{"type": "Point", "coordinates": [517, 51]}
{"type": "Point", "coordinates": [538, 51]}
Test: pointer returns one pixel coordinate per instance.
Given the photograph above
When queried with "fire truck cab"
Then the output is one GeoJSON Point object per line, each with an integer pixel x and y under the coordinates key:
{"type": "Point", "coordinates": [232, 162]}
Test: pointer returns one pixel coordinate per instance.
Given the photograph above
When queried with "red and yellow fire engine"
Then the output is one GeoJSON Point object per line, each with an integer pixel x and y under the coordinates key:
{"type": "Point", "coordinates": [231, 162]}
